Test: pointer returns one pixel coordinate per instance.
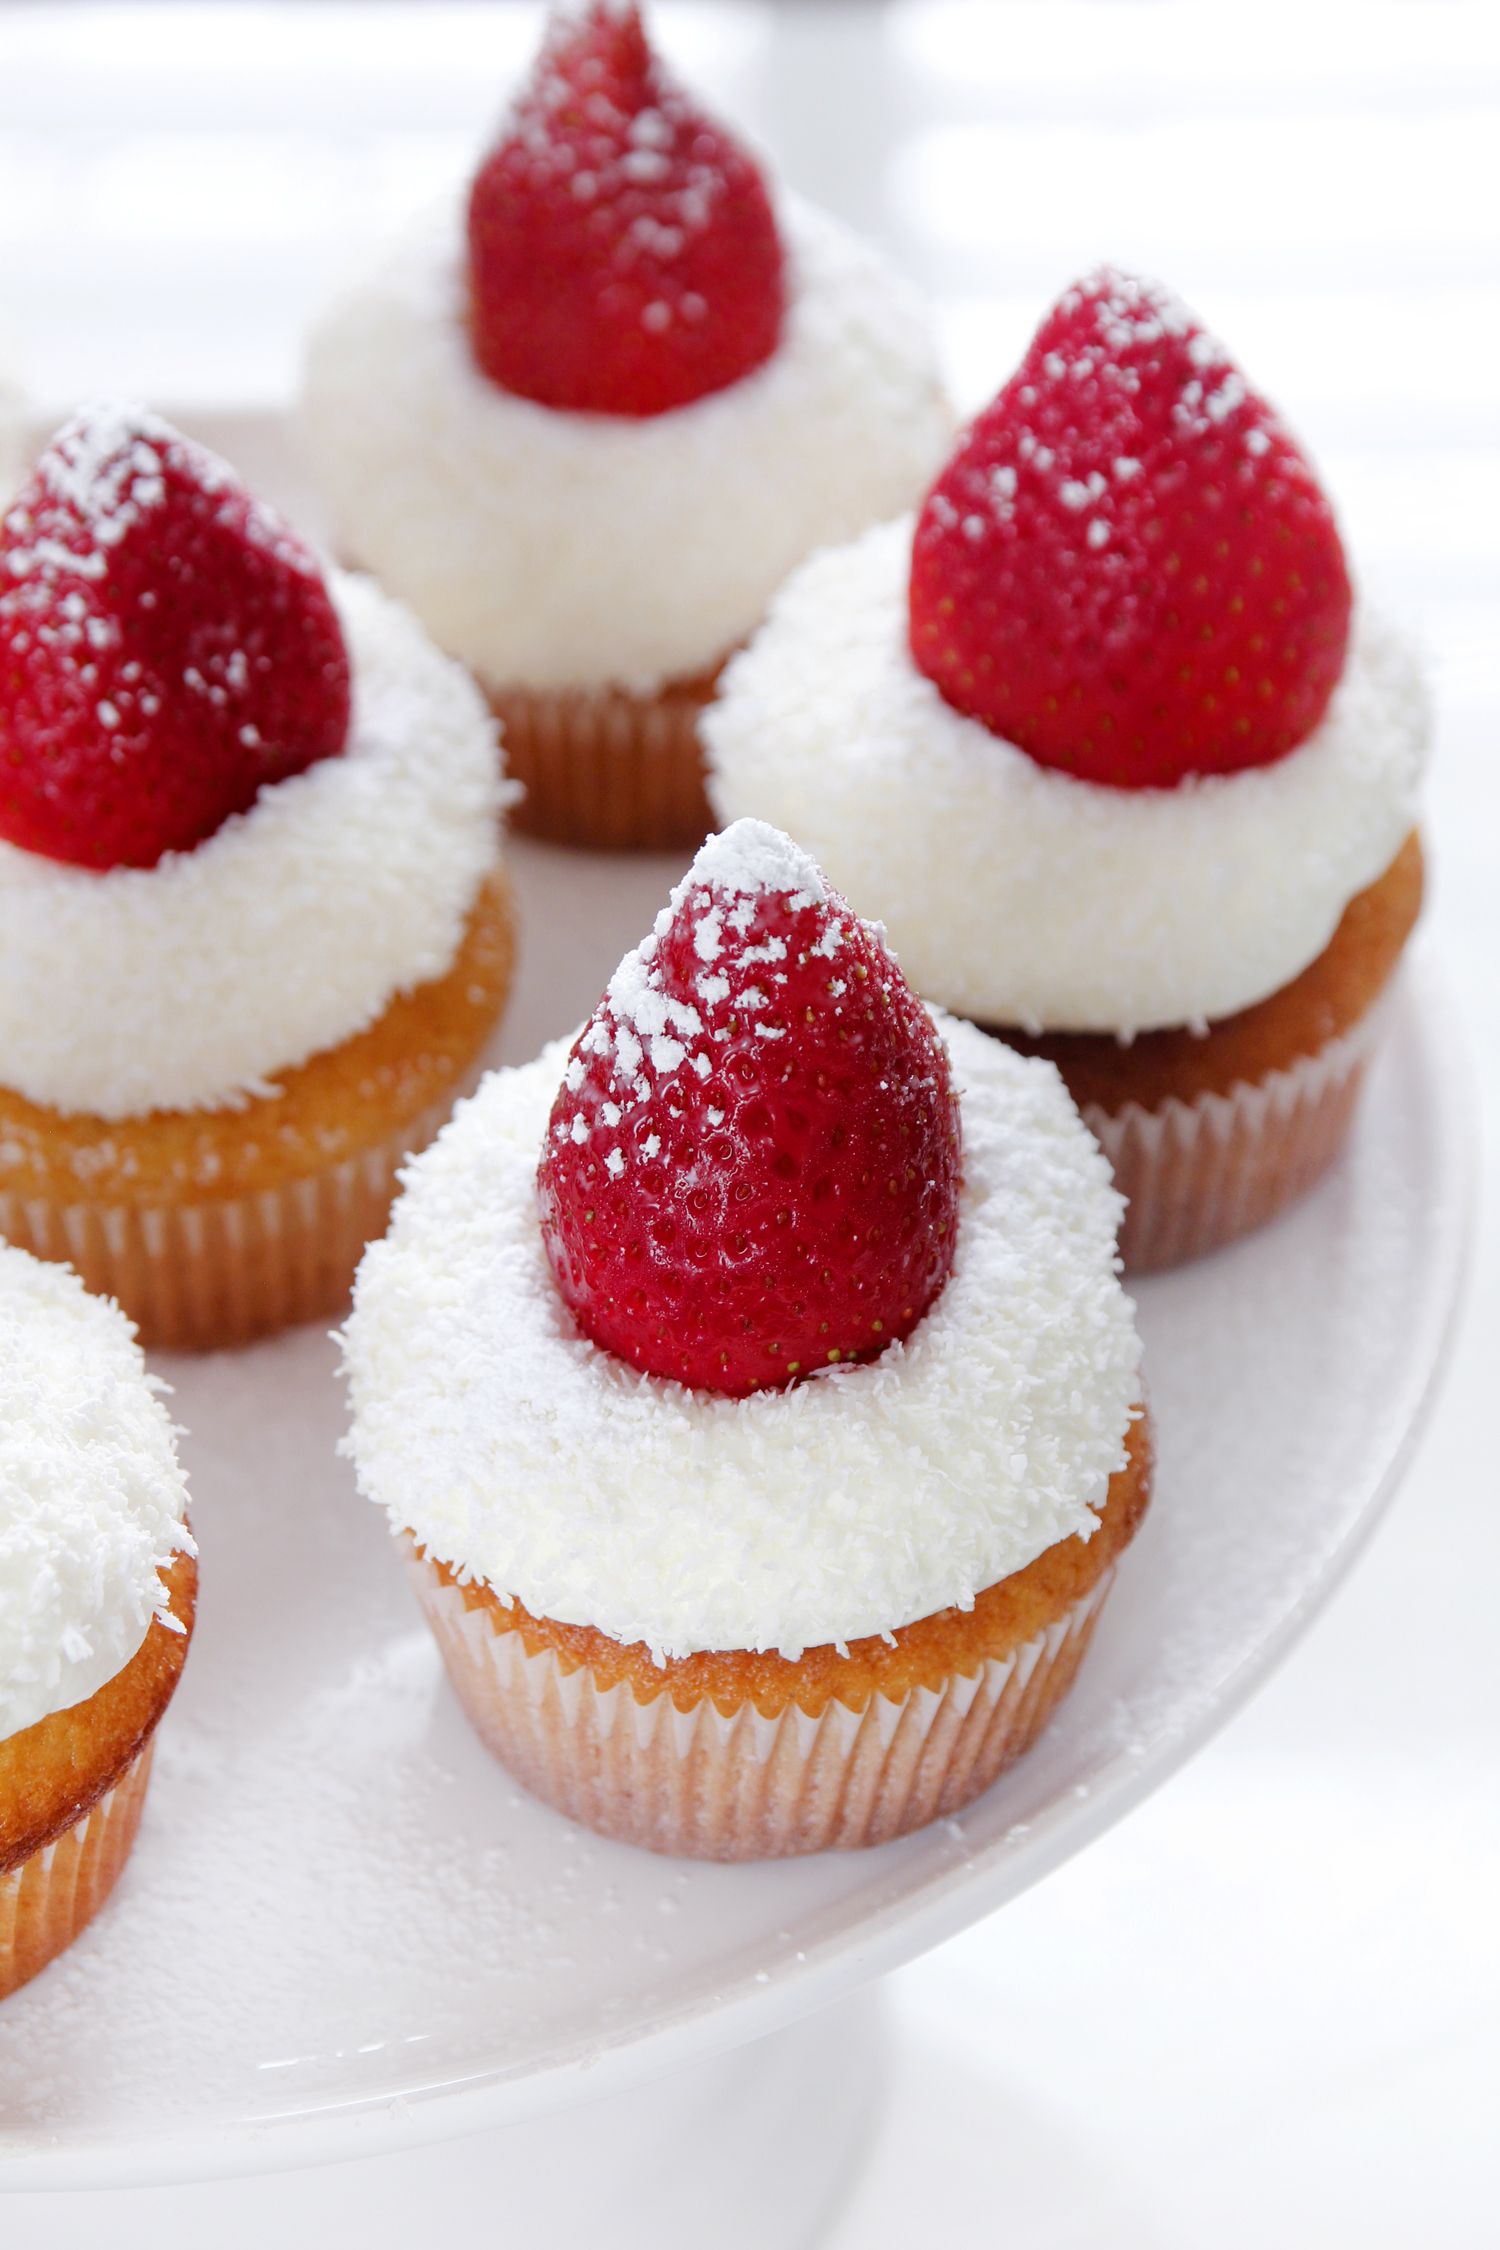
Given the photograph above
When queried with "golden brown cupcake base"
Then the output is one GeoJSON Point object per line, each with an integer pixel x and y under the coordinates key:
{"type": "Point", "coordinates": [1211, 1134]}
{"type": "Point", "coordinates": [50, 1899]}
{"type": "Point", "coordinates": [212, 1227]}
{"type": "Point", "coordinates": [71, 1792]}
{"type": "Point", "coordinates": [736, 1756]}
{"type": "Point", "coordinates": [607, 770]}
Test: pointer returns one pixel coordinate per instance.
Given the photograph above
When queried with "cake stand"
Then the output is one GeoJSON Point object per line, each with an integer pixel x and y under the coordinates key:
{"type": "Point", "coordinates": [347, 1940]}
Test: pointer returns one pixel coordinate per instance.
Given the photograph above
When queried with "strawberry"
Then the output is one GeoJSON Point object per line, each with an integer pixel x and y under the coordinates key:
{"type": "Point", "coordinates": [1128, 568]}
{"type": "Point", "coordinates": [623, 254]}
{"type": "Point", "coordinates": [167, 647]}
{"type": "Point", "coordinates": [751, 1168]}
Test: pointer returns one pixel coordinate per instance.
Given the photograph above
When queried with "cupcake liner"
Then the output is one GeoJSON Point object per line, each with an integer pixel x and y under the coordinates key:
{"type": "Point", "coordinates": [608, 770]}
{"type": "Point", "coordinates": [704, 1784]}
{"type": "Point", "coordinates": [49, 1898]}
{"type": "Point", "coordinates": [1199, 1174]}
{"type": "Point", "coordinates": [197, 1276]}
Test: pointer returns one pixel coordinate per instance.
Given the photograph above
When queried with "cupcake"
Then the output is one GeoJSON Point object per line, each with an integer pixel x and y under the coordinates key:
{"type": "Point", "coordinates": [750, 1388]}
{"type": "Point", "coordinates": [1128, 772]}
{"type": "Point", "coordinates": [587, 426]}
{"type": "Point", "coordinates": [255, 925]}
{"type": "Point", "coordinates": [97, 1590]}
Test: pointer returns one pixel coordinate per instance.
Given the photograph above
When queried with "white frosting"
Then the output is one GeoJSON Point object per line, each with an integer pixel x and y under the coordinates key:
{"type": "Point", "coordinates": [1016, 893]}
{"type": "Point", "coordinates": [557, 550]}
{"type": "Point", "coordinates": [92, 1501]}
{"type": "Point", "coordinates": [866, 1497]}
{"type": "Point", "coordinates": [185, 985]}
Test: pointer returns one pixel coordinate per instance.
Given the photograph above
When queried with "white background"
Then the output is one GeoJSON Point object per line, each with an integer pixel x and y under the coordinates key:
{"type": "Point", "coordinates": [1265, 2008]}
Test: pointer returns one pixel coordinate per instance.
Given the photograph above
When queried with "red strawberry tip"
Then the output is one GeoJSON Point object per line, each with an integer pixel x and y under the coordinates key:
{"type": "Point", "coordinates": [167, 647]}
{"type": "Point", "coordinates": [624, 257]}
{"type": "Point", "coordinates": [1128, 568]}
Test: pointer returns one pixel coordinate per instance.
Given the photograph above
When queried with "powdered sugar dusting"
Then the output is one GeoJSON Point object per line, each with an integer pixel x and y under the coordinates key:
{"type": "Point", "coordinates": [620, 149]}
{"type": "Point", "coordinates": [1115, 386]}
{"type": "Point", "coordinates": [520, 1453]}
{"type": "Point", "coordinates": [106, 470]}
{"type": "Point", "coordinates": [750, 856]}
{"type": "Point", "coordinates": [1020, 894]}
{"type": "Point", "coordinates": [647, 1033]}
{"type": "Point", "coordinates": [92, 1501]}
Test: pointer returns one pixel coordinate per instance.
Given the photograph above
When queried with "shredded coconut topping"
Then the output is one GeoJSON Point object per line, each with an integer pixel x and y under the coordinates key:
{"type": "Point", "coordinates": [188, 984]}
{"type": "Point", "coordinates": [448, 487]}
{"type": "Point", "coordinates": [1018, 893]}
{"type": "Point", "coordinates": [519, 1453]}
{"type": "Point", "coordinates": [92, 1501]}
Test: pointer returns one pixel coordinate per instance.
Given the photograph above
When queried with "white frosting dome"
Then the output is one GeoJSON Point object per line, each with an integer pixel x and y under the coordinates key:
{"type": "Point", "coordinates": [92, 1501]}
{"type": "Point", "coordinates": [868, 1496]}
{"type": "Point", "coordinates": [186, 985]}
{"type": "Point", "coordinates": [557, 550]}
{"type": "Point", "coordinates": [1019, 894]}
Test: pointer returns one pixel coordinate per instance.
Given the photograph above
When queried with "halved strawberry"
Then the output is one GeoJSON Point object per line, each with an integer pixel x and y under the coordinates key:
{"type": "Point", "coordinates": [623, 254]}
{"type": "Point", "coordinates": [167, 647]}
{"type": "Point", "coordinates": [751, 1169]}
{"type": "Point", "coordinates": [1128, 567]}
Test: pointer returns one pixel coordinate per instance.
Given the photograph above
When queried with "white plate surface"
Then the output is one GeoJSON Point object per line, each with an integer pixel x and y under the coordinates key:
{"type": "Point", "coordinates": [343, 1929]}
{"type": "Point", "coordinates": [340, 1908]}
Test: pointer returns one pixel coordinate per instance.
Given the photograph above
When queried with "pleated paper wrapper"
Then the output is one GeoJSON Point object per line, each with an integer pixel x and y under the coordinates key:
{"type": "Point", "coordinates": [202, 1275]}
{"type": "Point", "coordinates": [700, 1784]}
{"type": "Point", "coordinates": [1198, 1175]}
{"type": "Point", "coordinates": [49, 1898]}
{"type": "Point", "coordinates": [607, 770]}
